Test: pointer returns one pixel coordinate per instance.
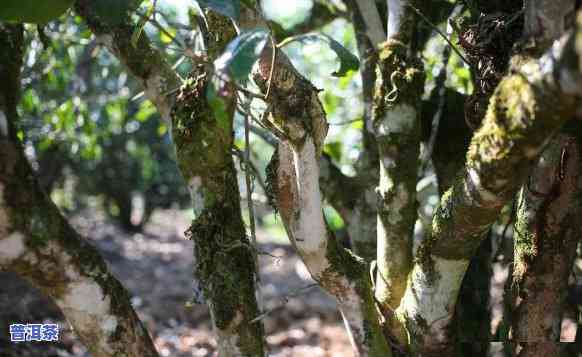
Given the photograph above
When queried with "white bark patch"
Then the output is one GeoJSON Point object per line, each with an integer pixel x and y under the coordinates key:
{"type": "Point", "coordinates": [228, 341]}
{"type": "Point", "coordinates": [351, 311]}
{"type": "Point", "coordinates": [395, 14]}
{"type": "Point", "coordinates": [12, 247]}
{"type": "Point", "coordinates": [475, 181]}
{"type": "Point", "coordinates": [300, 204]}
{"type": "Point", "coordinates": [86, 300]}
{"type": "Point", "coordinates": [87, 308]}
{"type": "Point", "coordinates": [3, 125]}
{"type": "Point", "coordinates": [196, 194]}
{"type": "Point", "coordinates": [155, 90]}
{"type": "Point", "coordinates": [399, 119]}
{"type": "Point", "coordinates": [433, 297]}
{"type": "Point", "coordinates": [311, 230]}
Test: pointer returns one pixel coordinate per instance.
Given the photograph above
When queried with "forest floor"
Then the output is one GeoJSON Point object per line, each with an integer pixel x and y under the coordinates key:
{"type": "Point", "coordinates": [156, 267]}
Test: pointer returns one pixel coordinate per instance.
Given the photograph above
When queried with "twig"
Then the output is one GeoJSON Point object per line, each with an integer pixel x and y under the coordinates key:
{"type": "Point", "coordinates": [283, 302]}
{"type": "Point", "coordinates": [256, 173]}
{"type": "Point", "coordinates": [346, 122]}
{"type": "Point", "coordinates": [249, 189]}
{"type": "Point", "coordinates": [439, 31]}
{"type": "Point", "coordinates": [272, 69]}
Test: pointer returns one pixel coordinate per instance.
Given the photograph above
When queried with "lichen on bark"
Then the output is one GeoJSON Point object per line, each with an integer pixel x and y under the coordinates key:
{"type": "Point", "coordinates": [396, 122]}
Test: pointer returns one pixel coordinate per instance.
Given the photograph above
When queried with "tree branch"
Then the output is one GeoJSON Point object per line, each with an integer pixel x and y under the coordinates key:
{"type": "Point", "coordinates": [223, 256]}
{"type": "Point", "coordinates": [157, 77]}
{"type": "Point", "coordinates": [527, 108]}
{"type": "Point", "coordinates": [38, 243]}
{"type": "Point", "coordinates": [322, 13]}
{"type": "Point", "coordinates": [399, 86]}
{"type": "Point", "coordinates": [545, 244]}
{"type": "Point", "coordinates": [362, 223]}
{"type": "Point", "coordinates": [374, 27]}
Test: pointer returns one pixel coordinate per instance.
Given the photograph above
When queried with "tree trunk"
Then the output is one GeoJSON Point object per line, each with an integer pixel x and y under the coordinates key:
{"type": "Point", "coordinates": [545, 245]}
{"type": "Point", "coordinates": [223, 255]}
{"type": "Point", "coordinates": [38, 243]}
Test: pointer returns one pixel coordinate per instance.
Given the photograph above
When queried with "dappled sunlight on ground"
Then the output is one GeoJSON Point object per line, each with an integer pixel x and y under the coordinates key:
{"type": "Point", "coordinates": [156, 267]}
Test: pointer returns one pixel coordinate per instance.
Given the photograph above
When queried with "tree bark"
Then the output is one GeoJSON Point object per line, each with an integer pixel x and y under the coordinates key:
{"type": "Point", "coordinates": [528, 107]}
{"type": "Point", "coordinates": [396, 125]}
{"type": "Point", "coordinates": [38, 243]}
{"type": "Point", "coordinates": [362, 225]}
{"type": "Point", "coordinates": [545, 245]}
{"type": "Point", "coordinates": [293, 174]}
{"type": "Point", "coordinates": [224, 259]}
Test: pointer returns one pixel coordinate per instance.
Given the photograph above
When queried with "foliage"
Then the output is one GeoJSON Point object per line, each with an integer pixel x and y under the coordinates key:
{"type": "Point", "coordinates": [33, 11]}
{"type": "Point", "coordinates": [241, 54]}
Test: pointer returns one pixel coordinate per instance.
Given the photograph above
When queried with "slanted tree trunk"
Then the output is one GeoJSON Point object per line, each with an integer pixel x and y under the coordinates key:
{"type": "Point", "coordinates": [524, 112]}
{"type": "Point", "coordinates": [38, 243]}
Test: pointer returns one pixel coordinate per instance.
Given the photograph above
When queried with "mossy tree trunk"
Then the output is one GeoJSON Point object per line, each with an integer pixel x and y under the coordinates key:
{"type": "Point", "coordinates": [396, 125]}
{"type": "Point", "coordinates": [38, 243]}
{"type": "Point", "coordinates": [524, 112]}
{"type": "Point", "coordinates": [545, 239]}
{"type": "Point", "coordinates": [545, 246]}
{"type": "Point", "coordinates": [224, 258]}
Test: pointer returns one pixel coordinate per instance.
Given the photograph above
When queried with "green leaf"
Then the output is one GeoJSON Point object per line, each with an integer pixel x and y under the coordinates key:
{"type": "Point", "coordinates": [142, 22]}
{"type": "Point", "coordinates": [241, 54]}
{"type": "Point", "coordinates": [348, 61]}
{"type": "Point", "coordinates": [32, 11]}
{"type": "Point", "coordinates": [228, 8]}
{"type": "Point", "coordinates": [334, 150]}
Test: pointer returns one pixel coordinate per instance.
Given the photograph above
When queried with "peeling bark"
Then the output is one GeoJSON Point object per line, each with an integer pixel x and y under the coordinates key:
{"type": "Point", "coordinates": [38, 243]}
{"type": "Point", "coordinates": [294, 108]}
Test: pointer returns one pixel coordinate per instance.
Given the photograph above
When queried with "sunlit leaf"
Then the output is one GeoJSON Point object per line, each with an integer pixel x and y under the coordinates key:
{"type": "Point", "coordinates": [348, 61]}
{"type": "Point", "coordinates": [142, 22]}
{"type": "Point", "coordinates": [241, 54]}
{"type": "Point", "coordinates": [334, 149]}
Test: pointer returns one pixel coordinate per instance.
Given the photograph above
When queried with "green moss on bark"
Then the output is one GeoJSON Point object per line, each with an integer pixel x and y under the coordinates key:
{"type": "Point", "coordinates": [224, 260]}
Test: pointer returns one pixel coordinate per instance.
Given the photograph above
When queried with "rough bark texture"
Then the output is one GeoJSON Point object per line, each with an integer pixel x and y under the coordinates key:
{"type": "Point", "coordinates": [399, 86]}
{"type": "Point", "coordinates": [545, 240]}
{"type": "Point", "coordinates": [545, 244]}
{"type": "Point", "coordinates": [223, 255]}
{"type": "Point", "coordinates": [527, 108]}
{"type": "Point", "coordinates": [363, 221]}
{"type": "Point", "coordinates": [38, 243]}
